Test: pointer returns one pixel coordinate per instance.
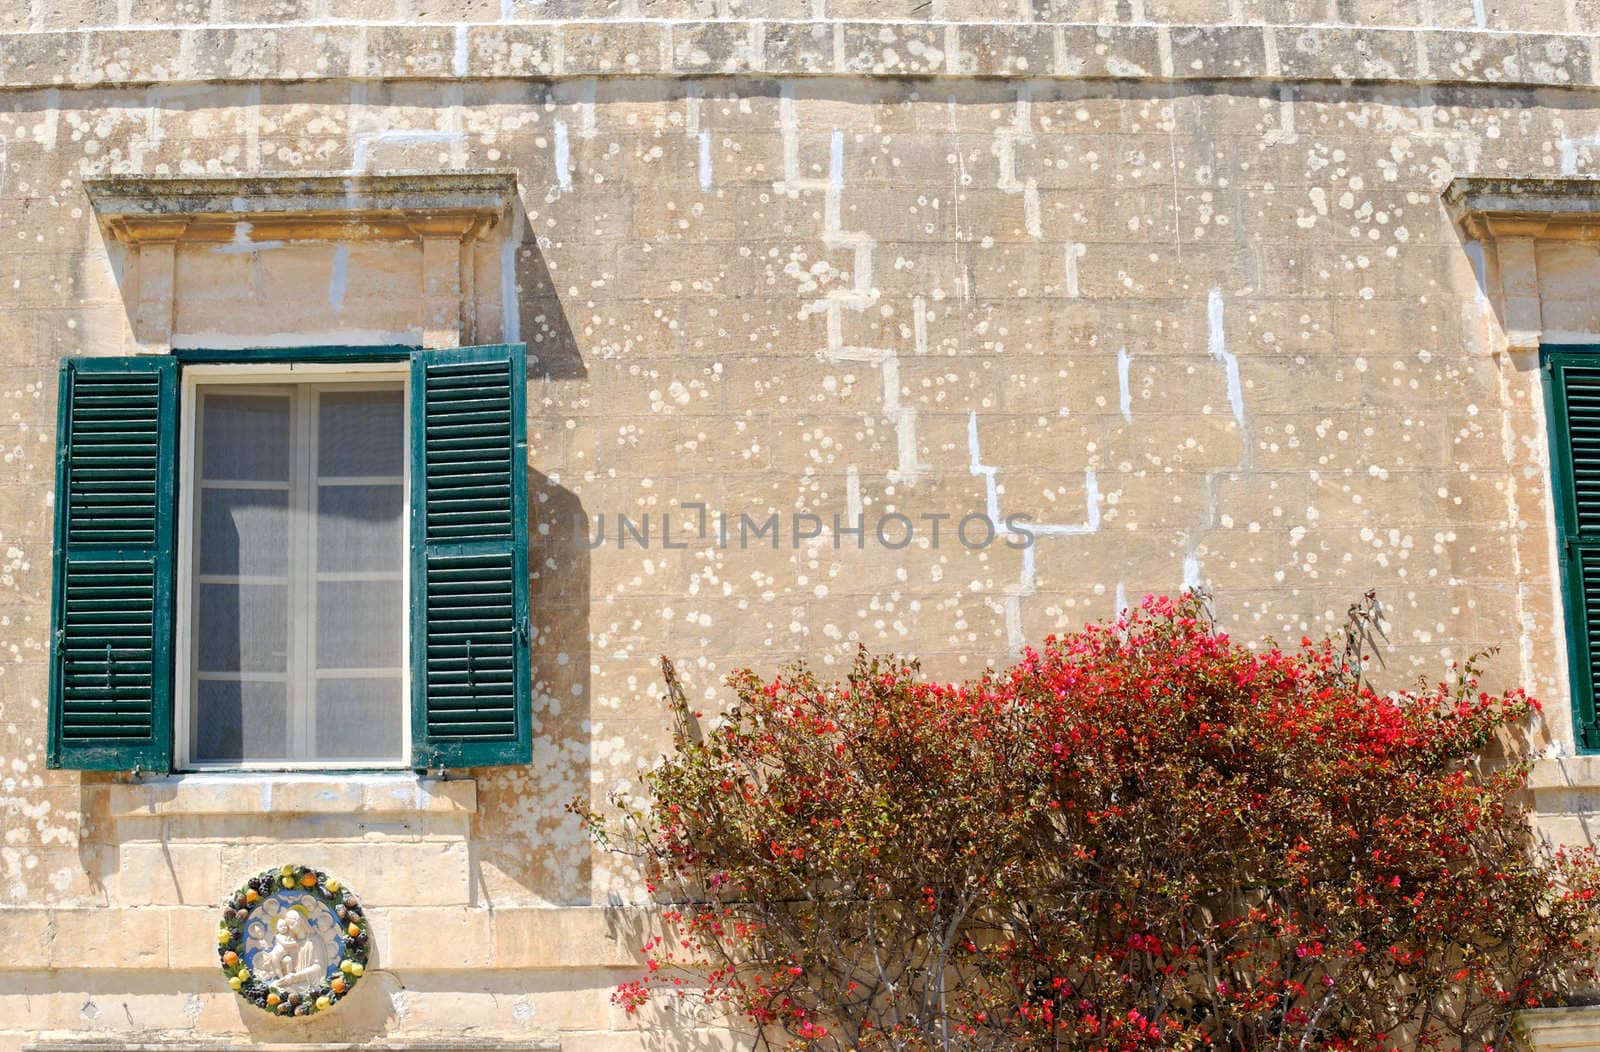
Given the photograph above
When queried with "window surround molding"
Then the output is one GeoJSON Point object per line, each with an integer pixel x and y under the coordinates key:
{"type": "Point", "coordinates": [216, 375]}
{"type": "Point", "coordinates": [1502, 219]}
{"type": "Point", "coordinates": [447, 213]}
{"type": "Point", "coordinates": [1507, 223]}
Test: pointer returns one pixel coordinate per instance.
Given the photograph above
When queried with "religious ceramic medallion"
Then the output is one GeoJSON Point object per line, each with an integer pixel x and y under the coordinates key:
{"type": "Point", "coordinates": [293, 941]}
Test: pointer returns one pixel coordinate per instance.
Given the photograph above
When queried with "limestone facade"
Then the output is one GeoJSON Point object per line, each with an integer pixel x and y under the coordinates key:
{"type": "Point", "coordinates": [1189, 285]}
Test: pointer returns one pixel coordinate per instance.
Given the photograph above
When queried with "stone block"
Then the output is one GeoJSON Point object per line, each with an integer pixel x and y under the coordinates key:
{"type": "Point", "coordinates": [1222, 52]}
{"type": "Point", "coordinates": [807, 48]}
{"type": "Point", "coordinates": [568, 937]}
{"type": "Point", "coordinates": [616, 48]}
{"type": "Point", "coordinates": [438, 939]}
{"type": "Point", "coordinates": [1326, 53]}
{"type": "Point", "coordinates": [167, 873]}
{"type": "Point", "coordinates": [715, 47]}
{"type": "Point", "coordinates": [1105, 51]}
{"type": "Point", "coordinates": [512, 50]}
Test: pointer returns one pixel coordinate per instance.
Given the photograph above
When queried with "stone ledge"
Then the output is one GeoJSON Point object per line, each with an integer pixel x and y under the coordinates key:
{"type": "Point", "coordinates": [652, 47]}
{"type": "Point", "coordinates": [1555, 1029]}
{"type": "Point", "coordinates": [289, 794]}
{"type": "Point", "coordinates": [1565, 772]}
{"type": "Point", "coordinates": [430, 938]}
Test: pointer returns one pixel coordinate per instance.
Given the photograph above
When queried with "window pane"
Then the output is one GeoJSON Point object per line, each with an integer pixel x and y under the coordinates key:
{"type": "Point", "coordinates": [359, 719]}
{"type": "Point", "coordinates": [361, 433]}
{"type": "Point", "coordinates": [359, 528]}
{"type": "Point", "coordinates": [244, 531]}
{"type": "Point", "coordinates": [242, 628]}
{"type": "Point", "coordinates": [299, 550]}
{"type": "Point", "coordinates": [245, 437]}
{"type": "Point", "coordinates": [240, 721]}
{"type": "Point", "coordinates": [358, 624]}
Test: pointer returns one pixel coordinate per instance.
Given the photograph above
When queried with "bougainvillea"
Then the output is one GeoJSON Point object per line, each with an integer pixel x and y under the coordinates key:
{"type": "Point", "coordinates": [1141, 836]}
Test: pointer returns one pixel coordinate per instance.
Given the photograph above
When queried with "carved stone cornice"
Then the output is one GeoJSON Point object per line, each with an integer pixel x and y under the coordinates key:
{"type": "Point", "coordinates": [1490, 208]}
{"type": "Point", "coordinates": [1507, 218]}
{"type": "Point", "coordinates": [394, 207]}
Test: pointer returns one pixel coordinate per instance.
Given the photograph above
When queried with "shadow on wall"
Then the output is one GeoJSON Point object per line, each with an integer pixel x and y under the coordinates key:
{"type": "Point", "coordinates": [524, 841]}
{"type": "Point", "coordinates": [524, 844]}
{"type": "Point", "coordinates": [553, 352]}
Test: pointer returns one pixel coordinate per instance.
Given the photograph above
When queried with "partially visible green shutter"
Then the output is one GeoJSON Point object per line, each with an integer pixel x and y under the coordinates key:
{"type": "Point", "coordinates": [111, 615]}
{"type": "Point", "coordinates": [471, 682]}
{"type": "Point", "coordinates": [1574, 404]}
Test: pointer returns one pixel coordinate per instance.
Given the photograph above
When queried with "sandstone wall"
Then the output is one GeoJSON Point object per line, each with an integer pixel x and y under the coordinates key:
{"type": "Point", "coordinates": [1186, 297]}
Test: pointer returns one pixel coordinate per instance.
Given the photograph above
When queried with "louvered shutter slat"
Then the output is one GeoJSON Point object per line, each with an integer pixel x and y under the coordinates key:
{"type": "Point", "coordinates": [470, 621]}
{"type": "Point", "coordinates": [110, 682]}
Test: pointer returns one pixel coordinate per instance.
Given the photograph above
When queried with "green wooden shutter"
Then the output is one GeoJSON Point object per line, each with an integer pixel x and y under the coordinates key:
{"type": "Point", "coordinates": [471, 694]}
{"type": "Point", "coordinates": [1573, 379]}
{"type": "Point", "coordinates": [111, 614]}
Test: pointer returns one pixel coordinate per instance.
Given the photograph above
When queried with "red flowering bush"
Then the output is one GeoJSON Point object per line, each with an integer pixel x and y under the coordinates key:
{"type": "Point", "coordinates": [1141, 836]}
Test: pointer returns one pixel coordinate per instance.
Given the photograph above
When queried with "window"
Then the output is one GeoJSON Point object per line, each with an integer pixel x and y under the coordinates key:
{"type": "Point", "coordinates": [293, 544]}
{"type": "Point", "coordinates": [315, 563]}
{"type": "Point", "coordinates": [1572, 393]}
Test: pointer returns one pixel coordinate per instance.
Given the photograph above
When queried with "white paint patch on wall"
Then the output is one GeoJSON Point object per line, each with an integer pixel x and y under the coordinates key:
{"type": "Point", "coordinates": [1191, 571]}
{"type": "Point", "coordinates": [511, 314]}
{"type": "Point", "coordinates": [562, 152]}
{"type": "Point", "coordinates": [1027, 581]}
{"type": "Point", "coordinates": [1570, 145]}
{"type": "Point", "coordinates": [860, 295]}
{"type": "Point", "coordinates": [459, 64]}
{"type": "Point", "coordinates": [1124, 393]}
{"type": "Point", "coordinates": [705, 159]}
{"type": "Point", "coordinates": [1005, 152]}
{"type": "Point", "coordinates": [1073, 252]}
{"type": "Point", "coordinates": [341, 273]}
{"type": "Point", "coordinates": [241, 242]}
{"type": "Point", "coordinates": [1217, 343]}
{"type": "Point", "coordinates": [362, 156]}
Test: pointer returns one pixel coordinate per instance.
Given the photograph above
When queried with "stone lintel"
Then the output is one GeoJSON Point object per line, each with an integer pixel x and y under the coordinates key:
{"type": "Point", "coordinates": [137, 209]}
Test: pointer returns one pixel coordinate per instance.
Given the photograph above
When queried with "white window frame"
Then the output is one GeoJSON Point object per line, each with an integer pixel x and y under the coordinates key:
{"type": "Point", "coordinates": [277, 374]}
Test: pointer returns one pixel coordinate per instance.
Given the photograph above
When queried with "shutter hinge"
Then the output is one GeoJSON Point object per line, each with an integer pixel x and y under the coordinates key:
{"type": "Point", "coordinates": [524, 630]}
{"type": "Point", "coordinates": [61, 640]}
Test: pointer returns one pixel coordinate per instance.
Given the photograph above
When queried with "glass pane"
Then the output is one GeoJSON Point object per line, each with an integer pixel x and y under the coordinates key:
{"type": "Point", "coordinates": [359, 719]}
{"type": "Point", "coordinates": [240, 721]}
{"type": "Point", "coordinates": [359, 527]}
{"type": "Point", "coordinates": [358, 624]}
{"type": "Point", "coordinates": [242, 628]}
{"type": "Point", "coordinates": [361, 433]}
{"type": "Point", "coordinates": [245, 437]}
{"type": "Point", "coordinates": [244, 531]}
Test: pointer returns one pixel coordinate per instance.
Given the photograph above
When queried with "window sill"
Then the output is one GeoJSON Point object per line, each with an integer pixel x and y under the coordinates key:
{"type": "Point", "coordinates": [400, 792]}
